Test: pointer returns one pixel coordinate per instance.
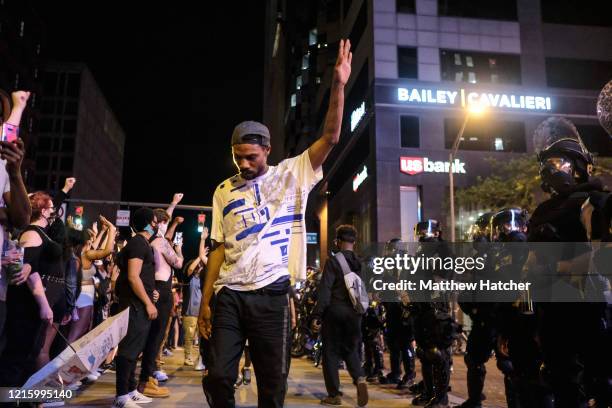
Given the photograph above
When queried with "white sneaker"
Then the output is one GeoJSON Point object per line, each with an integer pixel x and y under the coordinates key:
{"type": "Point", "coordinates": [53, 404]}
{"type": "Point", "coordinates": [138, 398]}
{"type": "Point", "coordinates": [93, 376]}
{"type": "Point", "coordinates": [200, 366]}
{"type": "Point", "coordinates": [124, 401]}
{"type": "Point", "coordinates": [160, 376]}
{"type": "Point", "coordinates": [167, 352]}
{"type": "Point", "coordinates": [74, 386]}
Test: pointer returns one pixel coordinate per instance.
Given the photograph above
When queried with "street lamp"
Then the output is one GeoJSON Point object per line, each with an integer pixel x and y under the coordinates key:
{"type": "Point", "coordinates": [474, 109]}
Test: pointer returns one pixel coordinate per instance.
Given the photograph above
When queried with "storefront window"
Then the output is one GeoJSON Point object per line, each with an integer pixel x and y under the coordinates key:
{"type": "Point", "coordinates": [486, 135]}
{"type": "Point", "coordinates": [478, 67]}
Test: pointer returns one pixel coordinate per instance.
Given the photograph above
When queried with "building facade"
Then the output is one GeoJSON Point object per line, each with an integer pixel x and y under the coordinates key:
{"type": "Point", "coordinates": [418, 65]}
{"type": "Point", "coordinates": [21, 41]}
{"type": "Point", "coordinates": [79, 135]}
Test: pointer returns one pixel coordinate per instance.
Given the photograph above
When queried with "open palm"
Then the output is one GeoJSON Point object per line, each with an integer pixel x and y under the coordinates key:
{"type": "Point", "coordinates": [342, 70]}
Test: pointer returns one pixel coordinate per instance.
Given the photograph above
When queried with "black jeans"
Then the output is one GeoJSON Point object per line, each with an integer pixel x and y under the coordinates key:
{"type": "Point", "coordinates": [341, 335]}
{"type": "Point", "coordinates": [131, 346]}
{"type": "Point", "coordinates": [157, 330]}
{"type": "Point", "coordinates": [264, 320]}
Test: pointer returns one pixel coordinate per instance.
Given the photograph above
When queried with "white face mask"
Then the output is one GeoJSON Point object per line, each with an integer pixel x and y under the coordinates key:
{"type": "Point", "coordinates": [163, 227]}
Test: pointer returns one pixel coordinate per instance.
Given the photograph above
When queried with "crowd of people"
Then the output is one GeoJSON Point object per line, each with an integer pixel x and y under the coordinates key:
{"type": "Point", "coordinates": [237, 298]}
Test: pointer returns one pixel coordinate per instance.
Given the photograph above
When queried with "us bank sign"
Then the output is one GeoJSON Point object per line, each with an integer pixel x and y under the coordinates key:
{"type": "Point", "coordinates": [465, 98]}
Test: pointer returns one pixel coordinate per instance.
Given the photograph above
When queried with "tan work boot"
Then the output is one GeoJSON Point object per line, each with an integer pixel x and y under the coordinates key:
{"type": "Point", "coordinates": [152, 389]}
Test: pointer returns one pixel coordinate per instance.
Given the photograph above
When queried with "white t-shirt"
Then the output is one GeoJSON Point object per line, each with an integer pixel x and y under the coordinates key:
{"type": "Point", "coordinates": [5, 186]}
{"type": "Point", "coordinates": [261, 222]}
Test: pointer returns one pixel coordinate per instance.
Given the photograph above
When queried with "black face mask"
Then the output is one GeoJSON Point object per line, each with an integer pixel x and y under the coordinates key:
{"type": "Point", "coordinates": [514, 236]}
{"type": "Point", "coordinates": [556, 181]}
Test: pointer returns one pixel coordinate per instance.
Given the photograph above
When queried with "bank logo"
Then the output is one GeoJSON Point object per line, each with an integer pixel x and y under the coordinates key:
{"type": "Point", "coordinates": [416, 165]}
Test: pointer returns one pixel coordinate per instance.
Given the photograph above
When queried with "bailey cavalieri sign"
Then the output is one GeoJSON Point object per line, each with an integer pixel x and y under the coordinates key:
{"type": "Point", "coordinates": [465, 98]}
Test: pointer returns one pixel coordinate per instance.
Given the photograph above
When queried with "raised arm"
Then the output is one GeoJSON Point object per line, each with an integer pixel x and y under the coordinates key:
{"type": "Point", "coordinates": [175, 223]}
{"type": "Point", "coordinates": [321, 148]}
{"type": "Point", "coordinates": [16, 199]}
{"type": "Point", "coordinates": [109, 243]}
{"type": "Point", "coordinates": [203, 249]}
{"type": "Point", "coordinates": [175, 200]}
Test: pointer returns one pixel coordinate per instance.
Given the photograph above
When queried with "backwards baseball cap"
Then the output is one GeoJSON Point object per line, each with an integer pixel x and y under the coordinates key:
{"type": "Point", "coordinates": [251, 132]}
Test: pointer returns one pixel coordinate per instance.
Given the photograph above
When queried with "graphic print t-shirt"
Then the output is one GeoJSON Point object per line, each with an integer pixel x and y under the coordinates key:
{"type": "Point", "coordinates": [261, 222]}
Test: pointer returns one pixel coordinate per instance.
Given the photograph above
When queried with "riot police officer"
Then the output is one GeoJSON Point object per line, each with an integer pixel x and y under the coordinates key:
{"type": "Point", "coordinates": [433, 326]}
{"type": "Point", "coordinates": [483, 337]}
{"type": "Point", "coordinates": [581, 371]}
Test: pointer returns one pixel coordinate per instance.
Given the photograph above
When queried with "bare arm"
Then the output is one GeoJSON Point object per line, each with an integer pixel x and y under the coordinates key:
{"type": "Point", "coordinates": [172, 256]}
{"type": "Point", "coordinates": [203, 250]}
{"type": "Point", "coordinates": [172, 228]}
{"type": "Point", "coordinates": [109, 245]}
{"type": "Point", "coordinates": [321, 148]}
{"type": "Point", "coordinates": [215, 261]}
{"type": "Point", "coordinates": [175, 200]}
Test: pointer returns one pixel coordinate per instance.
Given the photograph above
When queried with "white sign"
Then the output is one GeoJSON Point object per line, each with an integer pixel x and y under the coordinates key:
{"type": "Point", "coordinates": [464, 98]}
{"type": "Point", "coordinates": [416, 165]}
{"type": "Point", "coordinates": [360, 178]}
{"type": "Point", "coordinates": [123, 218]}
{"type": "Point", "coordinates": [357, 115]}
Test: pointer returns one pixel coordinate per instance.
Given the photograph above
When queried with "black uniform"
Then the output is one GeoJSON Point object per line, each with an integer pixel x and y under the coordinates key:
{"type": "Point", "coordinates": [373, 325]}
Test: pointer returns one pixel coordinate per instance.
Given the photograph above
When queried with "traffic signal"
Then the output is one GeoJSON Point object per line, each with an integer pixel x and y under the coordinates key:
{"type": "Point", "coordinates": [201, 220]}
{"type": "Point", "coordinates": [78, 217]}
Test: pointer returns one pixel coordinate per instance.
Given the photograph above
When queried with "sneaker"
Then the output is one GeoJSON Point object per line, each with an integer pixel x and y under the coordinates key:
{"type": "Point", "coordinates": [188, 362]}
{"type": "Point", "coordinates": [167, 352]}
{"type": "Point", "coordinates": [422, 400]}
{"type": "Point", "coordinates": [200, 365]}
{"type": "Point", "coordinates": [139, 398]}
{"type": "Point", "coordinates": [362, 392]}
{"type": "Point", "coordinates": [246, 375]}
{"type": "Point", "coordinates": [160, 375]}
{"type": "Point", "coordinates": [58, 403]}
{"type": "Point", "coordinates": [124, 401]}
{"type": "Point", "coordinates": [336, 401]}
{"type": "Point", "coordinates": [93, 376]}
{"type": "Point", "coordinates": [438, 402]}
{"type": "Point", "coordinates": [405, 382]}
{"type": "Point", "coordinates": [152, 389]}
{"type": "Point", "coordinates": [74, 386]}
{"type": "Point", "coordinates": [238, 382]}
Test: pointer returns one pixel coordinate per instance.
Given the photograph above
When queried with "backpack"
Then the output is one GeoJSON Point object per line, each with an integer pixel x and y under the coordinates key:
{"type": "Point", "coordinates": [354, 285]}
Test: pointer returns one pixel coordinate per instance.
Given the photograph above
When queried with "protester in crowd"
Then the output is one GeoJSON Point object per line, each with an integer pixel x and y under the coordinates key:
{"type": "Point", "coordinates": [15, 211]}
{"type": "Point", "coordinates": [191, 278]}
{"type": "Point", "coordinates": [166, 257]}
{"type": "Point", "coordinates": [251, 211]}
{"type": "Point", "coordinates": [85, 301]}
{"type": "Point", "coordinates": [34, 310]}
{"type": "Point", "coordinates": [135, 287]}
{"type": "Point", "coordinates": [341, 324]}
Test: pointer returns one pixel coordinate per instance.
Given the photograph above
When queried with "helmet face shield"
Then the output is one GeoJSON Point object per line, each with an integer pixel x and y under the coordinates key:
{"type": "Point", "coordinates": [429, 229]}
{"type": "Point", "coordinates": [555, 164]}
{"type": "Point", "coordinates": [508, 224]}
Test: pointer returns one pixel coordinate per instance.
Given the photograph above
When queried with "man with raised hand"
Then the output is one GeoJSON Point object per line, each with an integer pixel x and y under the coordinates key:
{"type": "Point", "coordinates": [259, 240]}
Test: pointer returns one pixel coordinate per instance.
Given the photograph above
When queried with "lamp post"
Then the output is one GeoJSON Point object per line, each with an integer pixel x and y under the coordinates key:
{"type": "Point", "coordinates": [473, 109]}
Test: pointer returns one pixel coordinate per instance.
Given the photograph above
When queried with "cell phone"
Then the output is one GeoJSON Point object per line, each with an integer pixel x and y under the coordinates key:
{"type": "Point", "coordinates": [178, 238]}
{"type": "Point", "coordinates": [10, 133]}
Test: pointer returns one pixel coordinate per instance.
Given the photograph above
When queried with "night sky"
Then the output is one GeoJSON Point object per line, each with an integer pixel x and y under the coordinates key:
{"type": "Point", "coordinates": [179, 75]}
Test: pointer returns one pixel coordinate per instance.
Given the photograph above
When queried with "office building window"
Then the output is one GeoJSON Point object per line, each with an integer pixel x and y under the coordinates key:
{"type": "Point", "coordinates": [596, 139]}
{"type": "Point", "coordinates": [312, 37]}
{"type": "Point", "coordinates": [574, 12]}
{"type": "Point", "coordinates": [577, 74]}
{"type": "Point", "coordinates": [487, 135]}
{"type": "Point", "coordinates": [66, 163]}
{"type": "Point", "coordinates": [68, 144]}
{"type": "Point", "coordinates": [492, 10]}
{"type": "Point", "coordinates": [409, 130]}
{"type": "Point", "coordinates": [72, 85]}
{"type": "Point", "coordinates": [405, 6]}
{"type": "Point", "coordinates": [359, 26]}
{"type": "Point", "coordinates": [70, 126]}
{"type": "Point", "coordinates": [407, 62]}
{"type": "Point", "coordinates": [478, 67]}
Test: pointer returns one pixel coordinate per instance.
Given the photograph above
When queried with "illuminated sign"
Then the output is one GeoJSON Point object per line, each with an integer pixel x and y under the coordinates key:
{"type": "Point", "coordinates": [357, 115]}
{"type": "Point", "coordinates": [312, 238]}
{"type": "Point", "coordinates": [416, 165]}
{"type": "Point", "coordinates": [360, 178]}
{"type": "Point", "coordinates": [464, 98]}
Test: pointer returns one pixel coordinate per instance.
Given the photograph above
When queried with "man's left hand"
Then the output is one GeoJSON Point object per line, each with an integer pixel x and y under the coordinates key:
{"type": "Point", "coordinates": [342, 70]}
{"type": "Point", "coordinates": [13, 153]}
